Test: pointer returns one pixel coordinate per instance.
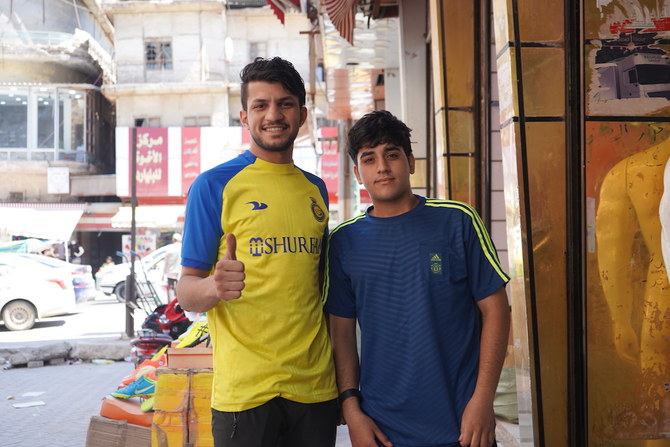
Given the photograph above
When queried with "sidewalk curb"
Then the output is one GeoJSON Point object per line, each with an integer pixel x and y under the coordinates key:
{"type": "Point", "coordinates": [110, 349]}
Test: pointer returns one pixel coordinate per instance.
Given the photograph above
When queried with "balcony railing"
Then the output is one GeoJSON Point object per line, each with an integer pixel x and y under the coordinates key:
{"type": "Point", "coordinates": [47, 38]}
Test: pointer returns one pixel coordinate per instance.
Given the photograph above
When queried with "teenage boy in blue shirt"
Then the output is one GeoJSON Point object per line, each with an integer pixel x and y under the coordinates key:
{"type": "Point", "coordinates": [423, 280]}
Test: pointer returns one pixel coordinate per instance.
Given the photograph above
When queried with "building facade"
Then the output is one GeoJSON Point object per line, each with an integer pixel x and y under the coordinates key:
{"type": "Point", "coordinates": [56, 127]}
{"type": "Point", "coordinates": [177, 97]}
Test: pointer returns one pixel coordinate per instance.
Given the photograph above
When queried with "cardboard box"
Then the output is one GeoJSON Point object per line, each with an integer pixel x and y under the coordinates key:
{"type": "Point", "coordinates": [189, 358]}
{"type": "Point", "coordinates": [104, 432]}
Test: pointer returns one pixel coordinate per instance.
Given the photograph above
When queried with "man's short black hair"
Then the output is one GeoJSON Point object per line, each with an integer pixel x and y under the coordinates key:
{"type": "Point", "coordinates": [377, 128]}
{"type": "Point", "coordinates": [272, 70]}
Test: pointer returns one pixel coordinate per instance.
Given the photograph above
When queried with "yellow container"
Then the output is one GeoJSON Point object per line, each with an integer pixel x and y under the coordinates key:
{"type": "Point", "coordinates": [182, 408]}
{"type": "Point", "coordinates": [168, 430]}
{"type": "Point", "coordinates": [172, 390]}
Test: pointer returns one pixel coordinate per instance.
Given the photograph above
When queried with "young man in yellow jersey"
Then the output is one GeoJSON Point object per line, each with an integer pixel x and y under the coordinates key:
{"type": "Point", "coordinates": [252, 254]}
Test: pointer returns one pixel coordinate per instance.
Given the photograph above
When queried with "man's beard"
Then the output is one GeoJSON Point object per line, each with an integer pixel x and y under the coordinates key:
{"type": "Point", "coordinates": [279, 146]}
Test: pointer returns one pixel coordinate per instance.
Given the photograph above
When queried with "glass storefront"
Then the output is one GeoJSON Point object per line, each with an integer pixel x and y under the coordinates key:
{"type": "Point", "coordinates": [13, 118]}
{"type": "Point", "coordinates": [43, 123]}
{"type": "Point", "coordinates": [46, 117]}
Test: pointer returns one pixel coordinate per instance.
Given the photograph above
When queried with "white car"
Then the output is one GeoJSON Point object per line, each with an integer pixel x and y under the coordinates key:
{"type": "Point", "coordinates": [82, 276]}
{"type": "Point", "coordinates": [112, 280]}
{"type": "Point", "coordinates": [30, 290]}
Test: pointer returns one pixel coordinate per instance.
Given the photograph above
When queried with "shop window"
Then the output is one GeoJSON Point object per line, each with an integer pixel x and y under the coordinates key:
{"type": "Point", "coordinates": [14, 118]}
{"type": "Point", "coordinates": [71, 107]}
{"type": "Point", "coordinates": [42, 123]}
{"type": "Point", "coordinates": [46, 119]}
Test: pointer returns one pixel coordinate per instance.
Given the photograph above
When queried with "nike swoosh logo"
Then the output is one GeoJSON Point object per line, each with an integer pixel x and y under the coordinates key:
{"type": "Point", "coordinates": [258, 205]}
{"type": "Point", "coordinates": [147, 389]}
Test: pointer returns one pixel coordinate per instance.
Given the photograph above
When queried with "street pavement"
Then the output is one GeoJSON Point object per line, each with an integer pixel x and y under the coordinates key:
{"type": "Point", "coordinates": [101, 319]}
{"type": "Point", "coordinates": [70, 394]}
{"type": "Point", "coordinates": [63, 398]}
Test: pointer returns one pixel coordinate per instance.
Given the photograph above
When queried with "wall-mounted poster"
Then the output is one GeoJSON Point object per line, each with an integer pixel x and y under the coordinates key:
{"type": "Point", "coordinates": [144, 244]}
{"type": "Point", "coordinates": [628, 187]}
{"type": "Point", "coordinates": [627, 54]}
{"type": "Point", "coordinates": [627, 136]}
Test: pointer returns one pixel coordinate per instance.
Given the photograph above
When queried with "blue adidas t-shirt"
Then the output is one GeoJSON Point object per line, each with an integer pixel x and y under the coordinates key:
{"type": "Point", "coordinates": [413, 282]}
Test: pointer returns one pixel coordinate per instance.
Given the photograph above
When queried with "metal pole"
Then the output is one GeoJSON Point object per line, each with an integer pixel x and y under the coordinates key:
{"type": "Point", "coordinates": [347, 200]}
{"type": "Point", "coordinates": [131, 294]}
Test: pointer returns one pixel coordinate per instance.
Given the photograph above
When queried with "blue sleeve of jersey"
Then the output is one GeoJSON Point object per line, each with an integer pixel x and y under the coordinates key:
{"type": "Point", "coordinates": [202, 223]}
{"type": "Point", "coordinates": [485, 274]}
{"type": "Point", "coordinates": [324, 249]}
{"type": "Point", "coordinates": [324, 245]}
{"type": "Point", "coordinates": [324, 194]}
{"type": "Point", "coordinates": [339, 296]}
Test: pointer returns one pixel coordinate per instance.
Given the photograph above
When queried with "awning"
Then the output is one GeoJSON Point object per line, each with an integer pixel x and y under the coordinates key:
{"type": "Point", "coordinates": [280, 7]}
{"type": "Point", "coordinates": [40, 220]}
{"type": "Point", "coordinates": [151, 216]}
{"type": "Point", "coordinates": [343, 15]}
{"type": "Point", "coordinates": [98, 217]}
{"type": "Point", "coordinates": [30, 245]}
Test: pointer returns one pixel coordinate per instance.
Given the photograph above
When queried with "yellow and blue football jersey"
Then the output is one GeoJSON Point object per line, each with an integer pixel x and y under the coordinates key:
{"type": "Point", "coordinates": [273, 340]}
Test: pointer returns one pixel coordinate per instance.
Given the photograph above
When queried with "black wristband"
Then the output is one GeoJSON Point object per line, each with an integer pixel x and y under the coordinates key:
{"type": "Point", "coordinates": [351, 392]}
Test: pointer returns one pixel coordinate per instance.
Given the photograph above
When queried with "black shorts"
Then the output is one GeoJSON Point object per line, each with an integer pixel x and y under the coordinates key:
{"type": "Point", "coordinates": [278, 423]}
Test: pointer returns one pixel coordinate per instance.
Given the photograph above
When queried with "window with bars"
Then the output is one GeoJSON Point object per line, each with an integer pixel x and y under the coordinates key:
{"type": "Point", "coordinates": [148, 122]}
{"type": "Point", "coordinates": [197, 121]}
{"type": "Point", "coordinates": [258, 49]}
{"type": "Point", "coordinates": [158, 55]}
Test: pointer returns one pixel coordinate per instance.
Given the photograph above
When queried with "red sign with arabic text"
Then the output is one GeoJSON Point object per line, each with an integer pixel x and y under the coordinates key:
{"type": "Point", "coordinates": [330, 162]}
{"type": "Point", "coordinates": [152, 161]}
{"type": "Point", "coordinates": [190, 156]}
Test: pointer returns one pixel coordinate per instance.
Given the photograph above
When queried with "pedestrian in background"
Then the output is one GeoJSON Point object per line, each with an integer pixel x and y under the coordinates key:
{"type": "Point", "coordinates": [76, 251]}
{"type": "Point", "coordinates": [172, 267]}
{"type": "Point", "coordinates": [109, 262]}
{"type": "Point", "coordinates": [254, 239]}
{"type": "Point", "coordinates": [422, 279]}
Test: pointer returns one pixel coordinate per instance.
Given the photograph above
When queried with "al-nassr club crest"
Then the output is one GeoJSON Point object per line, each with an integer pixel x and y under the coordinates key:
{"type": "Point", "coordinates": [319, 215]}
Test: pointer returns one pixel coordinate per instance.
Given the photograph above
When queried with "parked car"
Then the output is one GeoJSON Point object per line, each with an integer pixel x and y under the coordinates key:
{"type": "Point", "coordinates": [112, 279]}
{"type": "Point", "coordinates": [31, 290]}
{"type": "Point", "coordinates": [82, 276]}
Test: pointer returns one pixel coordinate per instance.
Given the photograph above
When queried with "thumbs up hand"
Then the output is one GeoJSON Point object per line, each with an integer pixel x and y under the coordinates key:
{"type": "Point", "coordinates": [229, 272]}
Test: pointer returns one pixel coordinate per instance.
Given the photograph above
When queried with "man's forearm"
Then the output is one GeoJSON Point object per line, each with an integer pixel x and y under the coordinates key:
{"type": "Point", "coordinates": [194, 293]}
